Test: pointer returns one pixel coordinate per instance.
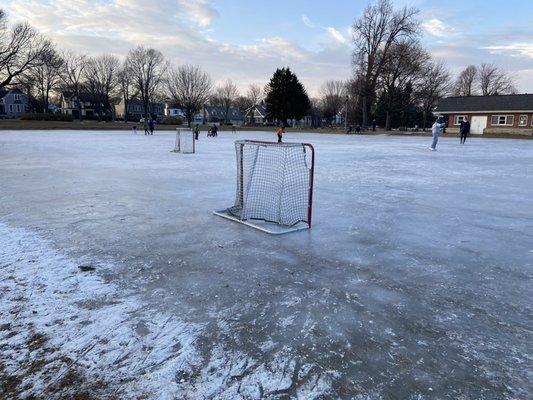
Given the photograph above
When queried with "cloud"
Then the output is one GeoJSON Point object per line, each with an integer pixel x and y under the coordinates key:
{"type": "Point", "coordinates": [438, 28]}
{"type": "Point", "coordinates": [513, 50]}
{"type": "Point", "coordinates": [335, 35]}
{"type": "Point", "coordinates": [269, 48]}
{"type": "Point", "coordinates": [307, 22]}
{"type": "Point", "coordinates": [200, 11]}
{"type": "Point", "coordinates": [182, 33]}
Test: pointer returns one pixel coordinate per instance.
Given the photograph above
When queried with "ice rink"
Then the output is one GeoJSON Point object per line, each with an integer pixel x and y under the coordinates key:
{"type": "Point", "coordinates": [414, 283]}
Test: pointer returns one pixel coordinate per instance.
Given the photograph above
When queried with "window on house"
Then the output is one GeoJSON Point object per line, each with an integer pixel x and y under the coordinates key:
{"type": "Point", "coordinates": [11, 108]}
{"type": "Point", "coordinates": [502, 120]}
{"type": "Point", "coordinates": [17, 96]}
{"type": "Point", "coordinates": [18, 108]}
{"type": "Point", "coordinates": [522, 120]}
{"type": "Point", "coordinates": [459, 119]}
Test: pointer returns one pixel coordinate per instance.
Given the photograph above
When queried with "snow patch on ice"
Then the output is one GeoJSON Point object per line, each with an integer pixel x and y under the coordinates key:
{"type": "Point", "coordinates": [62, 319]}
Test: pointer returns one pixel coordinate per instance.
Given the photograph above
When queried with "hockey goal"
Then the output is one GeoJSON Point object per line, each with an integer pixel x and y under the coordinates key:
{"type": "Point", "coordinates": [184, 141]}
{"type": "Point", "coordinates": [274, 186]}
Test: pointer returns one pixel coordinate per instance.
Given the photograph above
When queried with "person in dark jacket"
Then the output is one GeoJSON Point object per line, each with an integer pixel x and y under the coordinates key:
{"type": "Point", "coordinates": [151, 125]}
{"type": "Point", "coordinates": [464, 129]}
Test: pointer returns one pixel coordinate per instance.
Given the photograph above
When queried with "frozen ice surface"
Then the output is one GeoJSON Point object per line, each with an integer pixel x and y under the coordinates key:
{"type": "Point", "coordinates": [415, 281]}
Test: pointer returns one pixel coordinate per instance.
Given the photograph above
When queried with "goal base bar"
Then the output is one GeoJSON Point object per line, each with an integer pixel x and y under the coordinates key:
{"type": "Point", "coordinates": [263, 226]}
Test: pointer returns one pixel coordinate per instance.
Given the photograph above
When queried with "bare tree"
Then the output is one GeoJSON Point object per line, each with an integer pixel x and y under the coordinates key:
{"type": "Point", "coordinates": [190, 87]}
{"type": "Point", "coordinates": [72, 75]}
{"type": "Point", "coordinates": [241, 103]}
{"type": "Point", "coordinates": [126, 87]}
{"type": "Point", "coordinates": [147, 68]}
{"type": "Point", "coordinates": [401, 69]}
{"type": "Point", "coordinates": [102, 81]}
{"type": "Point", "coordinates": [21, 48]}
{"type": "Point", "coordinates": [494, 81]}
{"type": "Point", "coordinates": [374, 33]}
{"type": "Point", "coordinates": [247, 103]}
{"type": "Point", "coordinates": [333, 98]}
{"type": "Point", "coordinates": [254, 94]}
{"type": "Point", "coordinates": [433, 85]}
{"type": "Point", "coordinates": [45, 78]}
{"type": "Point", "coordinates": [227, 94]}
{"type": "Point", "coordinates": [354, 88]}
{"type": "Point", "coordinates": [466, 82]}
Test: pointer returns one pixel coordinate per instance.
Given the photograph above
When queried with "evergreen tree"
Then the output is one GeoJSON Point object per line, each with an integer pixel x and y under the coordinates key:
{"type": "Point", "coordinates": [286, 97]}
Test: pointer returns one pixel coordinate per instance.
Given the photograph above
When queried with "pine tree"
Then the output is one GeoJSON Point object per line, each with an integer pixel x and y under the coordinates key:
{"type": "Point", "coordinates": [286, 97]}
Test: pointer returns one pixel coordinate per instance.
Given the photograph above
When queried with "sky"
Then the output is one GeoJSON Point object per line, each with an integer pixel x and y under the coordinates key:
{"type": "Point", "coordinates": [246, 40]}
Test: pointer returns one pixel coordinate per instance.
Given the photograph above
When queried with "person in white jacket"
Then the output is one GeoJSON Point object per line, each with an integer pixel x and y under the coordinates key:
{"type": "Point", "coordinates": [436, 129]}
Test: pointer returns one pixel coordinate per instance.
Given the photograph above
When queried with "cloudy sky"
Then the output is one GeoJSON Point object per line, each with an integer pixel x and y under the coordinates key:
{"type": "Point", "coordinates": [245, 40]}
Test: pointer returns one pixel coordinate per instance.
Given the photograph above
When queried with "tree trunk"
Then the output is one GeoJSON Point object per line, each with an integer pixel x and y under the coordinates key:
{"type": "Point", "coordinates": [365, 111]}
{"type": "Point", "coordinates": [387, 121]}
{"type": "Point", "coordinates": [80, 117]}
{"type": "Point", "coordinates": [125, 110]}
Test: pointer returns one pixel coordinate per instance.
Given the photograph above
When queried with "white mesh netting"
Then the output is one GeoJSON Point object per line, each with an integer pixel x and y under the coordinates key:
{"type": "Point", "coordinates": [274, 182]}
{"type": "Point", "coordinates": [184, 141]}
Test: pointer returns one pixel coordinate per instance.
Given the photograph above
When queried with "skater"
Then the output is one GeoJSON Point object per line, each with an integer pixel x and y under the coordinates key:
{"type": "Point", "coordinates": [233, 129]}
{"type": "Point", "coordinates": [145, 126]}
{"type": "Point", "coordinates": [373, 125]}
{"type": "Point", "coordinates": [437, 129]}
{"type": "Point", "coordinates": [134, 129]}
{"type": "Point", "coordinates": [196, 131]}
{"type": "Point", "coordinates": [350, 129]}
{"type": "Point", "coordinates": [464, 129]}
{"type": "Point", "coordinates": [214, 131]}
{"type": "Point", "coordinates": [358, 129]}
{"type": "Point", "coordinates": [151, 126]}
{"type": "Point", "coordinates": [280, 133]}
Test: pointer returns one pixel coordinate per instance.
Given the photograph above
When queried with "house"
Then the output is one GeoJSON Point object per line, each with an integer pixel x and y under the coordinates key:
{"type": "Point", "coordinates": [136, 109]}
{"type": "Point", "coordinates": [308, 121]}
{"type": "Point", "coordinates": [173, 110]}
{"type": "Point", "coordinates": [13, 102]}
{"type": "Point", "coordinates": [72, 104]}
{"type": "Point", "coordinates": [511, 114]}
{"type": "Point", "coordinates": [257, 115]}
{"type": "Point", "coordinates": [214, 114]}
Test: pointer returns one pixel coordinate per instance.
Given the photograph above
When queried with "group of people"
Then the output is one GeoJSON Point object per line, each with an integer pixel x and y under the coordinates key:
{"type": "Point", "coordinates": [148, 125]}
{"type": "Point", "coordinates": [213, 131]}
{"type": "Point", "coordinates": [352, 130]}
{"type": "Point", "coordinates": [438, 127]}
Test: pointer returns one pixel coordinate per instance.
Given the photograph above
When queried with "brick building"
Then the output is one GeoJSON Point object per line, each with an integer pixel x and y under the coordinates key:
{"type": "Point", "coordinates": [512, 114]}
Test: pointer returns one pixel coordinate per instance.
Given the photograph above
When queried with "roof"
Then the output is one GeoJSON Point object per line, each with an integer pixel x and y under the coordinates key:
{"type": "Point", "coordinates": [4, 91]}
{"type": "Point", "coordinates": [84, 96]}
{"type": "Point", "coordinates": [512, 102]}
{"type": "Point", "coordinates": [261, 109]}
{"type": "Point", "coordinates": [233, 112]}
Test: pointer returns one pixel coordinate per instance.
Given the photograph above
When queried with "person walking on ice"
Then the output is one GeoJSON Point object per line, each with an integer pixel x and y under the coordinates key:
{"type": "Point", "coordinates": [144, 121]}
{"type": "Point", "coordinates": [196, 131]}
{"type": "Point", "coordinates": [280, 133]}
{"type": "Point", "coordinates": [151, 125]}
{"type": "Point", "coordinates": [464, 129]}
{"type": "Point", "coordinates": [436, 129]}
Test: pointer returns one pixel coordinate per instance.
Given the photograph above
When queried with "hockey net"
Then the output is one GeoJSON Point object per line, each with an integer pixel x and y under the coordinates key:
{"type": "Point", "coordinates": [274, 183]}
{"type": "Point", "coordinates": [184, 141]}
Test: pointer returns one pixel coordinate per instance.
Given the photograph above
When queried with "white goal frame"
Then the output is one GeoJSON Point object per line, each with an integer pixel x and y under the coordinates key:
{"type": "Point", "coordinates": [264, 225]}
{"type": "Point", "coordinates": [180, 146]}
